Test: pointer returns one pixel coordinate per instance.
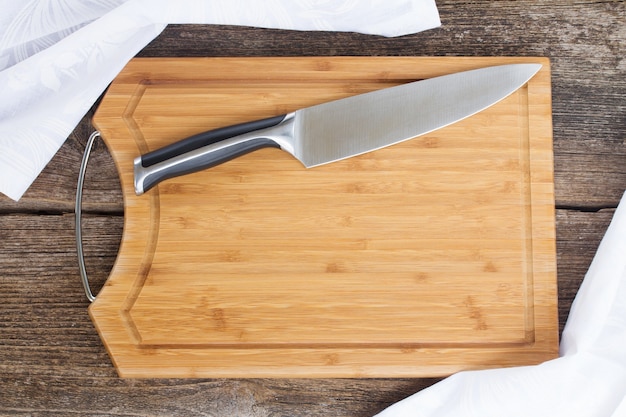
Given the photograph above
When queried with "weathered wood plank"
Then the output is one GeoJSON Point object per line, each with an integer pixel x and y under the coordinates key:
{"type": "Point", "coordinates": [578, 237]}
{"type": "Point", "coordinates": [588, 85]}
{"type": "Point", "coordinates": [39, 263]}
{"type": "Point", "coordinates": [52, 361]}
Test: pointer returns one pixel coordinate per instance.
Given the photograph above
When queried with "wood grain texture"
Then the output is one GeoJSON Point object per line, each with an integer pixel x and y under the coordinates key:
{"type": "Point", "coordinates": [52, 362]}
{"type": "Point", "coordinates": [421, 259]}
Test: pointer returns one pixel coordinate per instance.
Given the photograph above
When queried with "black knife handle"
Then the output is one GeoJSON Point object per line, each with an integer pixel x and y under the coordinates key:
{"type": "Point", "coordinates": [206, 138]}
{"type": "Point", "coordinates": [208, 149]}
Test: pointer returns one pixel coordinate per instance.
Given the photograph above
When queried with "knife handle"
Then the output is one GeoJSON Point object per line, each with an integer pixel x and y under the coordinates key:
{"type": "Point", "coordinates": [211, 148]}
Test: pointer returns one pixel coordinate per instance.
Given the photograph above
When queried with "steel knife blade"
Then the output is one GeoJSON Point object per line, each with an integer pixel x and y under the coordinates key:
{"type": "Point", "coordinates": [342, 128]}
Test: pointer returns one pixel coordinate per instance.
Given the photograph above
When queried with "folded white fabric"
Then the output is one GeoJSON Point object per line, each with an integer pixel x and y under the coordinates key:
{"type": "Point", "coordinates": [58, 56]}
{"type": "Point", "coordinates": [587, 380]}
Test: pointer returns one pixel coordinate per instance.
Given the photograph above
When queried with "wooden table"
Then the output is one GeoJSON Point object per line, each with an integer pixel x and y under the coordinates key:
{"type": "Point", "coordinates": [52, 361]}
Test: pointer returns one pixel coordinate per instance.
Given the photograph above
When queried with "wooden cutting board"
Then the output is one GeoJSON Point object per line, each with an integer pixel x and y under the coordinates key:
{"type": "Point", "coordinates": [422, 259]}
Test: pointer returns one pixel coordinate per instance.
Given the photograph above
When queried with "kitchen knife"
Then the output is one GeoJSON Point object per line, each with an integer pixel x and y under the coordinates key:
{"type": "Point", "coordinates": [342, 128]}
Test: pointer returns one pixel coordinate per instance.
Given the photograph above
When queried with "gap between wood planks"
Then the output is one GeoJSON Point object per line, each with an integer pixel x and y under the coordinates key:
{"type": "Point", "coordinates": [120, 213]}
{"type": "Point", "coordinates": [585, 209]}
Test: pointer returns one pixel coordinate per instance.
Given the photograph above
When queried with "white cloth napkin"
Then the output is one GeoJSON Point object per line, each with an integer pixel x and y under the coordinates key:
{"type": "Point", "coordinates": [58, 56]}
{"type": "Point", "coordinates": [587, 380]}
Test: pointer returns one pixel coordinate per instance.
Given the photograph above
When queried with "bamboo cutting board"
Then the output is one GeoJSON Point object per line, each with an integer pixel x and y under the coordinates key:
{"type": "Point", "coordinates": [421, 259]}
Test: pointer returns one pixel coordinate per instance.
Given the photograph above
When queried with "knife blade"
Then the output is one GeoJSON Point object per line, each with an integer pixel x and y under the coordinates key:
{"type": "Point", "coordinates": [342, 128]}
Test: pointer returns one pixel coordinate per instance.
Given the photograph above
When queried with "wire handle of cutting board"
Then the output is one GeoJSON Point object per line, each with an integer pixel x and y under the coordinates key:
{"type": "Point", "coordinates": [78, 212]}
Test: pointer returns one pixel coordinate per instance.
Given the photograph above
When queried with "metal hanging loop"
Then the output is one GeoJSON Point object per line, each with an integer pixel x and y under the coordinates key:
{"type": "Point", "coordinates": [78, 212]}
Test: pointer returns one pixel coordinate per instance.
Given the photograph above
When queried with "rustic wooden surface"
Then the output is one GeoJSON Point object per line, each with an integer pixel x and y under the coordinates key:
{"type": "Point", "coordinates": [51, 359]}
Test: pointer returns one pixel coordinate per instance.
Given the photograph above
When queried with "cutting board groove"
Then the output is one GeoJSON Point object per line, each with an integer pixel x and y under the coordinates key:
{"type": "Point", "coordinates": [421, 259]}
